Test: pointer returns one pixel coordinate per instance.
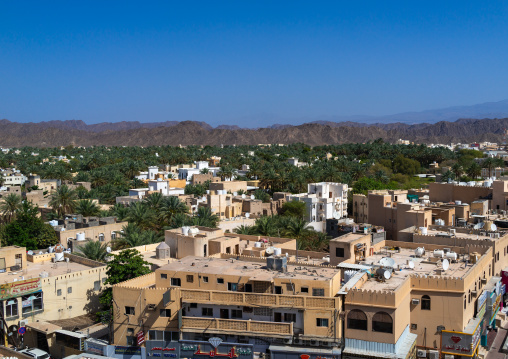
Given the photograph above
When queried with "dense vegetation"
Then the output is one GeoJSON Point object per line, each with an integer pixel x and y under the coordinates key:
{"type": "Point", "coordinates": [112, 171]}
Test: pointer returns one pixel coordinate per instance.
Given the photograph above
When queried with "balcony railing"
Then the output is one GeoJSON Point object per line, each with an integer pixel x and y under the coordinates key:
{"type": "Point", "coordinates": [215, 325]}
{"type": "Point", "coordinates": [258, 299]}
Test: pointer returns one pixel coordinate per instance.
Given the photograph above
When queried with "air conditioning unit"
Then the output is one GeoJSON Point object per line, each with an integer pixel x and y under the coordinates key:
{"type": "Point", "coordinates": [433, 354]}
{"type": "Point", "coordinates": [415, 301]}
{"type": "Point", "coordinates": [421, 353]}
{"type": "Point", "coordinates": [287, 341]}
{"type": "Point", "coordinates": [314, 343]}
{"type": "Point", "coordinates": [22, 323]}
{"type": "Point", "coordinates": [474, 293]}
{"type": "Point", "coordinates": [151, 306]}
{"type": "Point", "coordinates": [440, 328]}
{"type": "Point", "coordinates": [484, 281]}
{"type": "Point", "coordinates": [297, 341]}
{"type": "Point", "coordinates": [448, 356]}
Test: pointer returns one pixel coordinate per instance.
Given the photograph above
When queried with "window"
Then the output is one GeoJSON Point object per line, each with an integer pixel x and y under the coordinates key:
{"type": "Point", "coordinates": [31, 303]}
{"type": "Point", "coordinates": [232, 287]}
{"type": "Point", "coordinates": [278, 289]}
{"type": "Point", "coordinates": [321, 322]}
{"type": "Point", "coordinates": [129, 310]}
{"type": "Point", "coordinates": [290, 317]}
{"type": "Point", "coordinates": [69, 290]}
{"type": "Point", "coordinates": [165, 313]}
{"type": "Point", "coordinates": [304, 289]}
{"type": "Point", "coordinates": [205, 279]}
{"type": "Point", "coordinates": [190, 278]}
{"type": "Point", "coordinates": [339, 252]}
{"type": "Point", "coordinates": [220, 280]}
{"type": "Point", "coordinates": [425, 302]}
{"type": "Point", "coordinates": [207, 312]}
{"type": "Point", "coordinates": [155, 335]}
{"type": "Point", "coordinates": [248, 288]}
{"type": "Point", "coordinates": [58, 292]}
{"type": "Point", "coordinates": [193, 305]}
{"type": "Point", "coordinates": [318, 292]}
{"type": "Point", "coordinates": [175, 282]}
{"type": "Point", "coordinates": [113, 236]}
{"type": "Point", "coordinates": [103, 280]}
{"type": "Point", "coordinates": [11, 308]}
{"type": "Point", "coordinates": [2, 265]}
{"type": "Point", "coordinates": [382, 322]}
{"type": "Point", "coordinates": [97, 285]}
{"type": "Point", "coordinates": [101, 237]}
{"type": "Point", "coordinates": [164, 276]}
{"type": "Point", "coordinates": [236, 314]}
{"type": "Point", "coordinates": [356, 319]}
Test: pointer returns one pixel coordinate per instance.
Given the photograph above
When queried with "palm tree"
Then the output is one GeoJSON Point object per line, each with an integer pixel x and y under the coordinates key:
{"type": "Point", "coordinates": [63, 200]}
{"type": "Point", "coordinates": [10, 205]}
{"type": "Point", "coordinates": [457, 170]}
{"type": "Point", "coordinates": [95, 251]}
{"type": "Point", "coordinates": [154, 201]}
{"type": "Point", "coordinates": [170, 206]}
{"type": "Point", "coordinates": [298, 227]}
{"type": "Point", "coordinates": [264, 226]}
{"type": "Point", "coordinates": [87, 208]}
{"type": "Point", "coordinates": [474, 171]}
{"type": "Point", "coordinates": [204, 171]}
{"type": "Point", "coordinates": [134, 236]}
{"type": "Point", "coordinates": [120, 211]}
{"type": "Point", "coordinates": [243, 229]}
{"type": "Point", "coordinates": [205, 218]}
{"type": "Point", "coordinates": [141, 215]}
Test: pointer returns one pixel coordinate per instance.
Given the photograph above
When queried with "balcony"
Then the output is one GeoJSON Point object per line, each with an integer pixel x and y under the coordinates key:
{"type": "Point", "coordinates": [236, 327]}
{"type": "Point", "coordinates": [256, 299]}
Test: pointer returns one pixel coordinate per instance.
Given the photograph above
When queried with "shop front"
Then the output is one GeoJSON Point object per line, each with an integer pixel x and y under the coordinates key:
{"type": "Point", "coordinates": [462, 344]}
{"type": "Point", "coordinates": [215, 347]}
{"type": "Point", "coordinates": [292, 352]}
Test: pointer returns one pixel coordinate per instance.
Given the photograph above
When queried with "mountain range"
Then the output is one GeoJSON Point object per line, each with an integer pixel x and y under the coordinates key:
{"type": "Point", "coordinates": [482, 122]}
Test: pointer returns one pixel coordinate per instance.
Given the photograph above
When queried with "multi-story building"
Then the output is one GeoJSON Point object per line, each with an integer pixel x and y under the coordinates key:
{"type": "Point", "coordinates": [265, 306]}
{"type": "Point", "coordinates": [13, 178]}
{"type": "Point", "coordinates": [48, 286]}
{"type": "Point", "coordinates": [323, 200]}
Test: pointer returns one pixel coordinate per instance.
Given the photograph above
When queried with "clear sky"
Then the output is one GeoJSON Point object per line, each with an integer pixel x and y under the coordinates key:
{"type": "Point", "coordinates": [232, 62]}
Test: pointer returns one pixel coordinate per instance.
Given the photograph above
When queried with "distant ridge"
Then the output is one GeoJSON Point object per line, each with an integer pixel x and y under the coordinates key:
{"type": "Point", "coordinates": [62, 133]}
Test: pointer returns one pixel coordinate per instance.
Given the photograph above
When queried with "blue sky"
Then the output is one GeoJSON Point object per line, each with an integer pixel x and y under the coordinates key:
{"type": "Point", "coordinates": [234, 62]}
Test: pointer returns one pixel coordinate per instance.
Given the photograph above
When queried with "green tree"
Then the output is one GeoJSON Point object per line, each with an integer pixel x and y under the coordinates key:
{"type": "Point", "coordinates": [170, 206]}
{"type": "Point", "coordinates": [87, 208]}
{"type": "Point", "coordinates": [28, 230]}
{"type": "Point", "coordinates": [127, 264]}
{"type": "Point", "coordinates": [64, 200]}
{"type": "Point", "coordinates": [405, 165]}
{"type": "Point", "coordinates": [205, 218]}
{"type": "Point", "coordinates": [293, 209]}
{"type": "Point", "coordinates": [95, 251]}
{"type": "Point", "coordinates": [10, 205]}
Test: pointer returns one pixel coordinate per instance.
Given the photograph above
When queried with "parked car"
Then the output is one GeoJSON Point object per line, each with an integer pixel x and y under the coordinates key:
{"type": "Point", "coordinates": [35, 353]}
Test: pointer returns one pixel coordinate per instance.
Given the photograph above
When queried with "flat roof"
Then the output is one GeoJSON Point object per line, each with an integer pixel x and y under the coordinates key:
{"type": "Point", "coordinates": [445, 233]}
{"type": "Point", "coordinates": [256, 271]}
{"type": "Point", "coordinates": [428, 264]}
{"type": "Point", "coordinates": [350, 237]}
{"type": "Point", "coordinates": [33, 270]}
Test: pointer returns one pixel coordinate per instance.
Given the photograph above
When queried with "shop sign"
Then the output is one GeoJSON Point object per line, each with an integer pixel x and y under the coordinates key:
{"type": "Point", "coordinates": [495, 306]}
{"type": "Point", "coordinates": [481, 312]}
{"type": "Point", "coordinates": [458, 343]}
{"type": "Point", "coordinates": [307, 356]}
{"type": "Point", "coordinates": [21, 287]}
{"type": "Point", "coordinates": [161, 352]}
{"type": "Point", "coordinates": [91, 348]}
{"type": "Point", "coordinates": [128, 350]}
{"type": "Point", "coordinates": [216, 348]}
{"type": "Point", "coordinates": [481, 300]}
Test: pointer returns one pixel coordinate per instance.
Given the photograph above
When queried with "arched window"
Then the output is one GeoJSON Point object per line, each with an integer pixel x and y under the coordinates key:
{"type": "Point", "coordinates": [382, 322]}
{"type": "Point", "coordinates": [425, 302]}
{"type": "Point", "coordinates": [101, 237]}
{"type": "Point", "coordinates": [356, 319]}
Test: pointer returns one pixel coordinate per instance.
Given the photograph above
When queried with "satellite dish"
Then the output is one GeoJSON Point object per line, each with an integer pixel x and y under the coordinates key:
{"type": "Point", "coordinates": [387, 262]}
{"type": "Point", "coordinates": [30, 253]}
{"type": "Point", "coordinates": [411, 265]}
{"type": "Point", "coordinates": [108, 249]}
{"type": "Point", "coordinates": [493, 227]}
{"type": "Point", "coordinates": [387, 274]}
{"type": "Point", "coordinates": [446, 264]}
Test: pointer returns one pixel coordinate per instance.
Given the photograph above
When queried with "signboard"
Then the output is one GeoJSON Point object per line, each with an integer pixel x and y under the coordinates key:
{"type": "Point", "coordinates": [94, 348]}
{"type": "Point", "coordinates": [482, 299]}
{"type": "Point", "coordinates": [21, 287]}
{"type": "Point", "coordinates": [22, 330]}
{"type": "Point", "coordinates": [128, 350]}
{"type": "Point", "coordinates": [495, 307]}
{"type": "Point", "coordinates": [140, 337]}
{"type": "Point", "coordinates": [215, 347]}
{"type": "Point", "coordinates": [459, 343]}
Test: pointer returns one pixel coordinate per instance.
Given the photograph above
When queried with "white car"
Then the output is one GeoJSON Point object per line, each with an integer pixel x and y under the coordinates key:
{"type": "Point", "coordinates": [35, 353]}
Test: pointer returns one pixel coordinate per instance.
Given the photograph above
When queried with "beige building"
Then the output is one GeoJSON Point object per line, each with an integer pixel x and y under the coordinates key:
{"type": "Point", "coordinates": [36, 287]}
{"type": "Point", "coordinates": [360, 208]}
{"type": "Point", "coordinates": [239, 301]}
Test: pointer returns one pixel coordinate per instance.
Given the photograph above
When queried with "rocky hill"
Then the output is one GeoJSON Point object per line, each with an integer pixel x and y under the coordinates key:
{"type": "Point", "coordinates": [61, 133]}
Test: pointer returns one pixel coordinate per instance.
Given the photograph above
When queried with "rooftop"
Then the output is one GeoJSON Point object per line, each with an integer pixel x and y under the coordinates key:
{"type": "Point", "coordinates": [256, 271]}
{"type": "Point", "coordinates": [428, 264]}
{"type": "Point", "coordinates": [350, 237]}
{"type": "Point", "coordinates": [33, 270]}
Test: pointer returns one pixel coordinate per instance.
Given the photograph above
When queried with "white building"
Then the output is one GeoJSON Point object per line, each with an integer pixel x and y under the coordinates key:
{"type": "Point", "coordinates": [323, 200]}
{"type": "Point", "coordinates": [162, 186]}
{"type": "Point", "coordinates": [13, 178]}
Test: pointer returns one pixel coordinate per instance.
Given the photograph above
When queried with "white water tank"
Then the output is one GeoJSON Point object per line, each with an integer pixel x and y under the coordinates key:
{"type": "Point", "coordinates": [80, 236]}
{"type": "Point", "coordinates": [420, 251]}
{"type": "Point", "coordinates": [438, 253]}
{"type": "Point", "coordinates": [193, 231]}
{"type": "Point", "coordinates": [439, 222]}
{"type": "Point", "coordinates": [185, 230]}
{"type": "Point", "coordinates": [252, 197]}
{"type": "Point", "coordinates": [53, 223]}
{"type": "Point", "coordinates": [424, 230]}
{"type": "Point", "coordinates": [452, 256]}
{"type": "Point", "coordinates": [59, 257]}
{"type": "Point", "coordinates": [269, 250]}
{"type": "Point", "coordinates": [257, 245]}
{"type": "Point", "coordinates": [277, 251]}
{"type": "Point", "coordinates": [458, 202]}
{"type": "Point", "coordinates": [51, 250]}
